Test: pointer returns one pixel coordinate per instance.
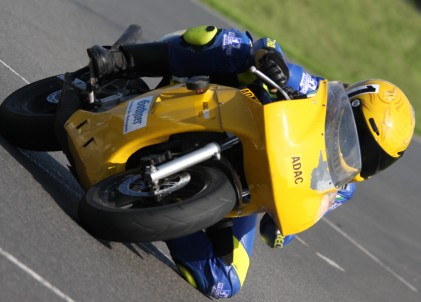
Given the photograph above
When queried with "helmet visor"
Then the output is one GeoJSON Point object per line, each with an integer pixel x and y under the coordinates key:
{"type": "Point", "coordinates": [374, 158]}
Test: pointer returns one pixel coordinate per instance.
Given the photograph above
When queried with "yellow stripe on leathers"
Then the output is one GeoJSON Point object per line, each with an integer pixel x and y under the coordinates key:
{"type": "Point", "coordinates": [241, 260]}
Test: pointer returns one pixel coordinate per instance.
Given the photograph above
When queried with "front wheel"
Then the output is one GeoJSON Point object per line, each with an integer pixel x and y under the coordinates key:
{"type": "Point", "coordinates": [123, 208]}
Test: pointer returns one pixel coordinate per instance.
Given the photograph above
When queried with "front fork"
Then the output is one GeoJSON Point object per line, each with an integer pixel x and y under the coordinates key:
{"type": "Point", "coordinates": [153, 173]}
{"type": "Point", "coordinates": [212, 150]}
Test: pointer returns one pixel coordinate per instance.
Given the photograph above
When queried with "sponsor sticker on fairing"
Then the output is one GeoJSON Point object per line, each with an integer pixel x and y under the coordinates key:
{"type": "Point", "coordinates": [137, 114]}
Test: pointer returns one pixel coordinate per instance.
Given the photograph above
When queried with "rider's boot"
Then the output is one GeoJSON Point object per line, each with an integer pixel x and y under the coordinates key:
{"type": "Point", "coordinates": [148, 59]}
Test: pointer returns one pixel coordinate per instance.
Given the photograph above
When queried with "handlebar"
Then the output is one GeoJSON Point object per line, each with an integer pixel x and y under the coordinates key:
{"type": "Point", "coordinates": [268, 80]}
{"type": "Point", "coordinates": [131, 35]}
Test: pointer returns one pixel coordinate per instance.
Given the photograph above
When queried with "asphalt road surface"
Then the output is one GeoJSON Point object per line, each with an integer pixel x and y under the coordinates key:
{"type": "Point", "coordinates": [369, 250]}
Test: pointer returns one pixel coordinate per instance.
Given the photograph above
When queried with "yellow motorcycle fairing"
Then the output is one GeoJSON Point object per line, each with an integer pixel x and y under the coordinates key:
{"type": "Point", "coordinates": [284, 149]}
{"type": "Point", "coordinates": [101, 143]}
{"type": "Point", "coordinates": [283, 144]}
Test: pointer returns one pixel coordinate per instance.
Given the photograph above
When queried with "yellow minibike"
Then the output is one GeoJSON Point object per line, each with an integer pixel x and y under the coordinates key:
{"type": "Point", "coordinates": [168, 162]}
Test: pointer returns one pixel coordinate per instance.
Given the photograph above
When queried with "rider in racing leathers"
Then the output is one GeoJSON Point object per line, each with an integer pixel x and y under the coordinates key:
{"type": "Point", "coordinates": [216, 260]}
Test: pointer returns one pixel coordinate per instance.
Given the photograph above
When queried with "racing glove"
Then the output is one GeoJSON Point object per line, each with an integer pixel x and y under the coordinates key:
{"type": "Point", "coordinates": [272, 64]}
{"type": "Point", "coordinates": [106, 62]}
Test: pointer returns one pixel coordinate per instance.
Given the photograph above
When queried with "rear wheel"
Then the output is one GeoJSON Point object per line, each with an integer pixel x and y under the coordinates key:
{"type": "Point", "coordinates": [123, 208]}
{"type": "Point", "coordinates": [27, 115]}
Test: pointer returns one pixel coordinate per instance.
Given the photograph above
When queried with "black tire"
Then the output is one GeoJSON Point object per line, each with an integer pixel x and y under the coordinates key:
{"type": "Point", "coordinates": [27, 118]}
{"type": "Point", "coordinates": [204, 201]}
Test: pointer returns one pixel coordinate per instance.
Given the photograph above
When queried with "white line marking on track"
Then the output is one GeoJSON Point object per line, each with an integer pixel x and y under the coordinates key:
{"type": "Point", "coordinates": [330, 261]}
{"type": "Point", "coordinates": [12, 70]}
{"type": "Point", "coordinates": [13, 259]}
{"type": "Point", "coordinates": [51, 173]}
{"type": "Point", "coordinates": [301, 241]}
{"type": "Point", "coordinates": [34, 275]}
{"type": "Point", "coordinates": [369, 254]}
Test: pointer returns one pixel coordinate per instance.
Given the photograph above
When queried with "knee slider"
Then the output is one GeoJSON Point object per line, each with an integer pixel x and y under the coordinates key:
{"type": "Point", "coordinates": [200, 35]}
{"type": "Point", "coordinates": [187, 275]}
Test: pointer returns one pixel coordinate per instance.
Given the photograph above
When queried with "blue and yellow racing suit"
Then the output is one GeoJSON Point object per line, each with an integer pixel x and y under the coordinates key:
{"type": "Point", "coordinates": [230, 52]}
{"type": "Point", "coordinates": [216, 260]}
{"type": "Point", "coordinates": [217, 264]}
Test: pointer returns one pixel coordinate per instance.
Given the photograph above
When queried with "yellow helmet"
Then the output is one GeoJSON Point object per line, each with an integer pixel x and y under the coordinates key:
{"type": "Point", "coordinates": [385, 122]}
